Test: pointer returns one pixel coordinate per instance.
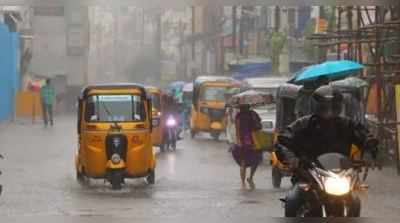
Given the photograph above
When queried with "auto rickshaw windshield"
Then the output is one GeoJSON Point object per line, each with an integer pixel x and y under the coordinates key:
{"type": "Point", "coordinates": [213, 93]}
{"type": "Point", "coordinates": [115, 108]}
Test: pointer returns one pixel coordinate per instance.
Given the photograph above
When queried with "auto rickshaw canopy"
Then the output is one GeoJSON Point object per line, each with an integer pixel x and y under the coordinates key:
{"type": "Point", "coordinates": [105, 88]}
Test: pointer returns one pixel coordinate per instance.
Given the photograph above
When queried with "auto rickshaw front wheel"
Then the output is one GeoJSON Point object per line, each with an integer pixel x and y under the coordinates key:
{"type": "Point", "coordinates": [116, 181]}
{"type": "Point", "coordinates": [192, 134]}
{"type": "Point", "coordinates": [151, 178]}
{"type": "Point", "coordinates": [276, 177]}
{"type": "Point", "coordinates": [215, 135]}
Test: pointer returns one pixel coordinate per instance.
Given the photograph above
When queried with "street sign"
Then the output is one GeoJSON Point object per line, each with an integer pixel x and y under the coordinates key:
{"type": "Point", "coordinates": [321, 25]}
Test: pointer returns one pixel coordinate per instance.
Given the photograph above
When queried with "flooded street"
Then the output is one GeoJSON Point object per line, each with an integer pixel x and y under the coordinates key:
{"type": "Point", "coordinates": [199, 179]}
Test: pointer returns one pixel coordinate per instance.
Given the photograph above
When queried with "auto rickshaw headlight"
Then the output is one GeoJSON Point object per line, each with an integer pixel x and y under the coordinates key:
{"type": "Point", "coordinates": [115, 158]}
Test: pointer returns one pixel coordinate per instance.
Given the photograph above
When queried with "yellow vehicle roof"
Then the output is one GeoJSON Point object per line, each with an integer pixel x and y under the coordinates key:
{"type": "Point", "coordinates": [153, 89]}
{"type": "Point", "coordinates": [106, 88]}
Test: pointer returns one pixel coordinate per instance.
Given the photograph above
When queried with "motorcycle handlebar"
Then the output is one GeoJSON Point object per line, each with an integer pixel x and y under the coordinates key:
{"type": "Point", "coordinates": [365, 163]}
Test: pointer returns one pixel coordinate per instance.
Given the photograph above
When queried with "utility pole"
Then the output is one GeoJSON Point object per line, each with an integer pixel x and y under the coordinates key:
{"type": "Point", "coordinates": [349, 13]}
{"type": "Point", "coordinates": [338, 27]}
{"type": "Point", "coordinates": [143, 28]}
{"type": "Point", "coordinates": [193, 32]}
{"type": "Point", "coordinates": [277, 18]}
{"type": "Point", "coordinates": [158, 44]}
{"type": "Point", "coordinates": [241, 32]}
{"type": "Point", "coordinates": [234, 31]}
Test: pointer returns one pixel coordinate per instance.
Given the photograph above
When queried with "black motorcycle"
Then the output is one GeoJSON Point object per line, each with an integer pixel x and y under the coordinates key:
{"type": "Point", "coordinates": [171, 136]}
{"type": "Point", "coordinates": [325, 187]}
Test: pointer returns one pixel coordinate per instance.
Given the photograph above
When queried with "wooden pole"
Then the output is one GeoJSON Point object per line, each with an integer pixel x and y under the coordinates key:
{"type": "Point", "coordinates": [339, 23]}
{"type": "Point", "coordinates": [378, 73]}
{"type": "Point", "coordinates": [359, 18]}
{"type": "Point", "coordinates": [193, 32]}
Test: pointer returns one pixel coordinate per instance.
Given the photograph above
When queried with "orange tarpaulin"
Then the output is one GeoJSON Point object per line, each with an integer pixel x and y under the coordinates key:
{"type": "Point", "coordinates": [28, 104]}
{"type": "Point", "coordinates": [372, 103]}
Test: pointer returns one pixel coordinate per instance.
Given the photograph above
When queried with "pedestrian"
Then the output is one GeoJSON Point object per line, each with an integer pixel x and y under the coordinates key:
{"type": "Point", "coordinates": [230, 115]}
{"type": "Point", "coordinates": [47, 95]}
{"type": "Point", "coordinates": [244, 151]}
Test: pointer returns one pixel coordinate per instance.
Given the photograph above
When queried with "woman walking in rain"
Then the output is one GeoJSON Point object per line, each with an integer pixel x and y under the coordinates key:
{"type": "Point", "coordinates": [244, 152]}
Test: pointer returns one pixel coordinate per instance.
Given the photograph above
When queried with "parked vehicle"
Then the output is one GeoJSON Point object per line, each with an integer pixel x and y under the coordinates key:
{"type": "Point", "coordinates": [268, 85]}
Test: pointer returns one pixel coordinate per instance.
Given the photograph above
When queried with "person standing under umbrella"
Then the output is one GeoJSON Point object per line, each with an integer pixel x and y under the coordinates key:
{"type": "Point", "coordinates": [244, 152]}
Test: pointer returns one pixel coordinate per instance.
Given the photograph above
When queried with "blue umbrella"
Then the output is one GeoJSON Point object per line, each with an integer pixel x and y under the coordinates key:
{"type": "Point", "coordinates": [177, 85]}
{"type": "Point", "coordinates": [333, 70]}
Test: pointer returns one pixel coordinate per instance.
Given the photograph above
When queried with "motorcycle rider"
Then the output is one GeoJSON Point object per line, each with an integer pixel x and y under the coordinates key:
{"type": "Point", "coordinates": [324, 131]}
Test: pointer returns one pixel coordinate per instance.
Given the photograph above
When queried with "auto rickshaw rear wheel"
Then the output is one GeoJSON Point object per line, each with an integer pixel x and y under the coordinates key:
{"type": "Point", "coordinates": [81, 177]}
{"type": "Point", "coordinates": [151, 178]}
{"type": "Point", "coordinates": [276, 177]}
{"type": "Point", "coordinates": [215, 135]}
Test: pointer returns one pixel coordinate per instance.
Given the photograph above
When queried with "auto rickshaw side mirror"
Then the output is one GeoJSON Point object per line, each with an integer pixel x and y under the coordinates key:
{"type": "Point", "coordinates": [80, 103]}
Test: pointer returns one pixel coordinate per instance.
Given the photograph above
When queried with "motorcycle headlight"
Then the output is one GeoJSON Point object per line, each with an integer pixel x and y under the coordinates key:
{"type": "Point", "coordinates": [171, 122]}
{"type": "Point", "coordinates": [115, 158]}
{"type": "Point", "coordinates": [337, 185]}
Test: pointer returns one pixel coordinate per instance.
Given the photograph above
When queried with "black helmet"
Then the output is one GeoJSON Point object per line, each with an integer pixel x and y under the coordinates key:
{"type": "Point", "coordinates": [327, 102]}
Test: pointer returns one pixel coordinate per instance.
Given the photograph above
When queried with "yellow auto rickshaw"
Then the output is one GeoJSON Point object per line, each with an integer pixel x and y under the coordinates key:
{"type": "Point", "coordinates": [290, 98]}
{"type": "Point", "coordinates": [156, 96]}
{"type": "Point", "coordinates": [114, 128]}
{"type": "Point", "coordinates": [208, 109]}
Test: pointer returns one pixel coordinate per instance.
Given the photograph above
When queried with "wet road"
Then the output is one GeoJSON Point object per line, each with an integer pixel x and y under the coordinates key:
{"type": "Point", "coordinates": [199, 180]}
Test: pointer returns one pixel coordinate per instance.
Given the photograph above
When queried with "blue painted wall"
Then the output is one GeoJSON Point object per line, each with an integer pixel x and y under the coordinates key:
{"type": "Point", "coordinates": [9, 71]}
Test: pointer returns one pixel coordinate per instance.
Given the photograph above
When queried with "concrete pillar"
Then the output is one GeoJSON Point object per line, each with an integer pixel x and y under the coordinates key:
{"type": "Point", "coordinates": [77, 44]}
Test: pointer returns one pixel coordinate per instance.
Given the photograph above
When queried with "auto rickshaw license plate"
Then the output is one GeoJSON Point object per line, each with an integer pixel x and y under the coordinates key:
{"type": "Point", "coordinates": [216, 125]}
{"type": "Point", "coordinates": [136, 140]}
